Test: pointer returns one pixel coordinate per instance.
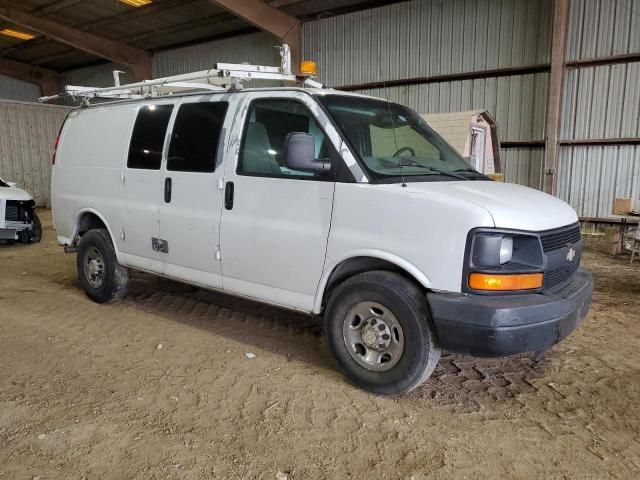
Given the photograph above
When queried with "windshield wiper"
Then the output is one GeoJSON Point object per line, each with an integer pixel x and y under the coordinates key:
{"type": "Point", "coordinates": [478, 175]}
{"type": "Point", "coordinates": [426, 167]}
{"type": "Point", "coordinates": [442, 172]}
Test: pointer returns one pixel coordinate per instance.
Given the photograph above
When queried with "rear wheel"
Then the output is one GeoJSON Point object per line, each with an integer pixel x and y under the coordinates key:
{"type": "Point", "coordinates": [103, 280]}
{"type": "Point", "coordinates": [379, 329]}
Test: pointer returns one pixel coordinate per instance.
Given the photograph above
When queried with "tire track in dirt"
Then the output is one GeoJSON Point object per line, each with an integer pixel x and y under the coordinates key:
{"type": "Point", "coordinates": [457, 379]}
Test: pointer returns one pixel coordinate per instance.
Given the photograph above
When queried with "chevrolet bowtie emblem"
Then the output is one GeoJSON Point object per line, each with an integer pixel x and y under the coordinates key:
{"type": "Point", "coordinates": [571, 254]}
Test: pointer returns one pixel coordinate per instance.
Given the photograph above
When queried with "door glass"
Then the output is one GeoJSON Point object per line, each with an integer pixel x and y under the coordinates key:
{"type": "Point", "coordinates": [195, 137]}
{"type": "Point", "coordinates": [268, 123]}
{"type": "Point", "coordinates": [147, 140]}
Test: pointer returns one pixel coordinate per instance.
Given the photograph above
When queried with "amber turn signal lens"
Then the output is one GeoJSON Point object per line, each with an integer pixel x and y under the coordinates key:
{"type": "Point", "coordinates": [493, 282]}
{"type": "Point", "coordinates": [308, 67]}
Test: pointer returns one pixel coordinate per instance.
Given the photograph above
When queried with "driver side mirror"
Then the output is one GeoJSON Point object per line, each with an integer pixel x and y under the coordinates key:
{"type": "Point", "coordinates": [300, 153]}
{"type": "Point", "coordinates": [12, 184]}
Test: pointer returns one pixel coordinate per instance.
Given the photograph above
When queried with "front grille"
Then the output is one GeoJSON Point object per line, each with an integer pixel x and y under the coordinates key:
{"type": "Point", "coordinates": [12, 213]}
{"type": "Point", "coordinates": [18, 211]}
{"type": "Point", "coordinates": [556, 239]}
{"type": "Point", "coordinates": [559, 276]}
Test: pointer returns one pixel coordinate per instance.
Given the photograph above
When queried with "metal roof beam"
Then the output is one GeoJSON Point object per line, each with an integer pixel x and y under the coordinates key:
{"type": "Point", "coordinates": [55, 6]}
{"type": "Point", "coordinates": [47, 79]}
{"type": "Point", "coordinates": [269, 19]}
{"type": "Point", "coordinates": [139, 60]}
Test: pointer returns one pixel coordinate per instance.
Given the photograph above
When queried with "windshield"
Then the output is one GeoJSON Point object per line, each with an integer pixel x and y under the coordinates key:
{"type": "Point", "coordinates": [394, 142]}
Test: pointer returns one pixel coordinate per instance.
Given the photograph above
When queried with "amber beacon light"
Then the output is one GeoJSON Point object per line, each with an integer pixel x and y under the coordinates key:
{"type": "Point", "coordinates": [503, 282]}
{"type": "Point", "coordinates": [309, 67]}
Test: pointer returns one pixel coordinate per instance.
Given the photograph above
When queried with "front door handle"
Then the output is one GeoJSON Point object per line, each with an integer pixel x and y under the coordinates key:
{"type": "Point", "coordinates": [167, 190]}
{"type": "Point", "coordinates": [228, 196]}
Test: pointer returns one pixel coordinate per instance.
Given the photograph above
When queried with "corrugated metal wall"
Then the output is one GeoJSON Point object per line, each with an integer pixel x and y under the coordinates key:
{"type": "Point", "coordinates": [13, 89]}
{"type": "Point", "coordinates": [601, 102]}
{"type": "Point", "coordinates": [598, 28]}
{"type": "Point", "coordinates": [591, 177]}
{"type": "Point", "coordinates": [428, 37]}
{"type": "Point", "coordinates": [256, 48]}
{"type": "Point", "coordinates": [98, 76]}
{"type": "Point", "coordinates": [27, 135]}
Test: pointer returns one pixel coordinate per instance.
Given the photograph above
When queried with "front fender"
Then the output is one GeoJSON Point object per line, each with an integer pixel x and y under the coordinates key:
{"type": "Point", "coordinates": [331, 265]}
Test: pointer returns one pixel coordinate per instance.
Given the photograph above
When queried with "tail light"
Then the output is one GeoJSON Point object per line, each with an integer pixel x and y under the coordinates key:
{"type": "Point", "coordinates": [55, 150]}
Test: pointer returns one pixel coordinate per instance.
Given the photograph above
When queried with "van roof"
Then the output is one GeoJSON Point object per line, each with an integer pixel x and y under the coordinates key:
{"type": "Point", "coordinates": [309, 91]}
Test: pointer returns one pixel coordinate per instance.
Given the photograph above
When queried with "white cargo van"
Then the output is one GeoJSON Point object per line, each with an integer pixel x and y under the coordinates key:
{"type": "Point", "coordinates": [329, 203]}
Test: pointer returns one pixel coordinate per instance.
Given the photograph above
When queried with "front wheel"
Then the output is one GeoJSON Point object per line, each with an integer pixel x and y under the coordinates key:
{"type": "Point", "coordinates": [36, 229]}
{"type": "Point", "coordinates": [379, 329]}
{"type": "Point", "coordinates": [101, 277]}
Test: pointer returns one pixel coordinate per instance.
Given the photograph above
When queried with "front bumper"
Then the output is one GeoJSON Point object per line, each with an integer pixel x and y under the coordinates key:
{"type": "Point", "coordinates": [7, 234]}
{"type": "Point", "coordinates": [497, 325]}
{"type": "Point", "coordinates": [13, 230]}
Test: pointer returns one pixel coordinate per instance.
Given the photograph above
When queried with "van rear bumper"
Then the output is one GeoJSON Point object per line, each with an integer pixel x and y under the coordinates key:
{"type": "Point", "coordinates": [498, 325]}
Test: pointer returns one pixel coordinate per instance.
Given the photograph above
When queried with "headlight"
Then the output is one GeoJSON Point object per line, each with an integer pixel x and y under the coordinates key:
{"type": "Point", "coordinates": [506, 249]}
{"type": "Point", "coordinates": [491, 250]}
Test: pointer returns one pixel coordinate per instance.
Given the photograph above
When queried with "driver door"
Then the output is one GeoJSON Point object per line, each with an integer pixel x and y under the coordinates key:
{"type": "Point", "coordinates": [275, 224]}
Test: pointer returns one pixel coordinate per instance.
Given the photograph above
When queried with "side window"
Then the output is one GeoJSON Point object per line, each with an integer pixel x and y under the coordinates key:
{"type": "Point", "coordinates": [267, 125]}
{"type": "Point", "coordinates": [147, 140]}
{"type": "Point", "coordinates": [195, 137]}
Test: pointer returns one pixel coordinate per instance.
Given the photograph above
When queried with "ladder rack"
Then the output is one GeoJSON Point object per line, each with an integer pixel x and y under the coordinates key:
{"type": "Point", "coordinates": [223, 76]}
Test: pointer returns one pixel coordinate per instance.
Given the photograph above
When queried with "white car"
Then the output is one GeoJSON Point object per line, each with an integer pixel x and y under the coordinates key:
{"type": "Point", "coordinates": [328, 203]}
{"type": "Point", "coordinates": [18, 220]}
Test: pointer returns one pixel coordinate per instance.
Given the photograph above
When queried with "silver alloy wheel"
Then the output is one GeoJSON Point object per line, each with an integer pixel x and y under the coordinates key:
{"type": "Point", "coordinates": [94, 267]}
{"type": "Point", "coordinates": [373, 336]}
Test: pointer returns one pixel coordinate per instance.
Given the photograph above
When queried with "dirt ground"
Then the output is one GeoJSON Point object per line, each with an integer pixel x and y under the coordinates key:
{"type": "Point", "coordinates": [159, 386]}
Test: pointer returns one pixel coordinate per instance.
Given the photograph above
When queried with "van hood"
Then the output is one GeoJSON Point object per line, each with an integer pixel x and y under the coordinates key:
{"type": "Point", "coordinates": [510, 205]}
{"type": "Point", "coordinates": [14, 193]}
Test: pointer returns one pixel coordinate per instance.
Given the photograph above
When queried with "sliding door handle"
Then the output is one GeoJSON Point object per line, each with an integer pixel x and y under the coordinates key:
{"type": "Point", "coordinates": [228, 196]}
{"type": "Point", "coordinates": [167, 190]}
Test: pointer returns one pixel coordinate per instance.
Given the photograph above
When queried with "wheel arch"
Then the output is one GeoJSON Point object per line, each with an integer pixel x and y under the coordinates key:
{"type": "Point", "coordinates": [89, 219]}
{"type": "Point", "coordinates": [364, 261]}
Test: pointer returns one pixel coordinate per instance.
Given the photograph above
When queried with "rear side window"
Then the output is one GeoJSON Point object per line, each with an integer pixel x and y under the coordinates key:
{"type": "Point", "coordinates": [196, 134]}
{"type": "Point", "coordinates": [147, 140]}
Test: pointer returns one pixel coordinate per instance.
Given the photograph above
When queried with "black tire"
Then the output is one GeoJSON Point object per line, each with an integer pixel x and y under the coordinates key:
{"type": "Point", "coordinates": [36, 230]}
{"type": "Point", "coordinates": [114, 283]}
{"type": "Point", "coordinates": [24, 236]}
{"type": "Point", "coordinates": [407, 304]}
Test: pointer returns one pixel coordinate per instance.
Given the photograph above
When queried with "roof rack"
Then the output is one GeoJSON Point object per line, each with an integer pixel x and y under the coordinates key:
{"type": "Point", "coordinates": [223, 76]}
